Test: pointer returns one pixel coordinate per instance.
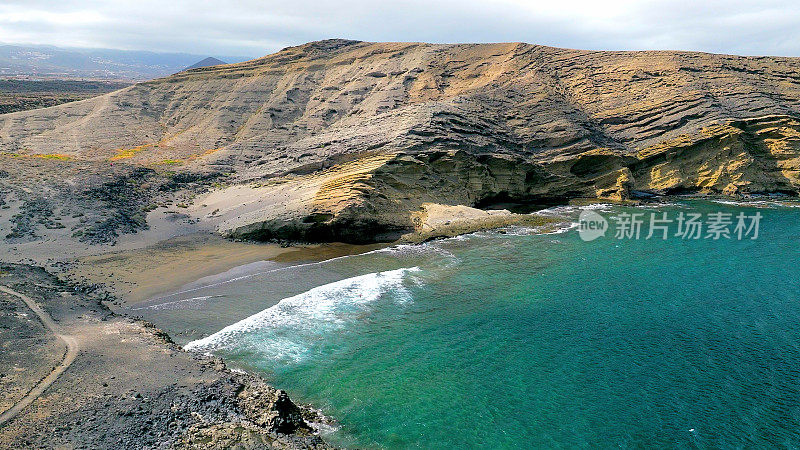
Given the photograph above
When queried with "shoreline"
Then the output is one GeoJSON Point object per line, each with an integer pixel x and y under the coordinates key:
{"type": "Point", "coordinates": [136, 276]}
{"type": "Point", "coordinates": [129, 385]}
{"type": "Point", "coordinates": [183, 261]}
{"type": "Point", "coordinates": [163, 268]}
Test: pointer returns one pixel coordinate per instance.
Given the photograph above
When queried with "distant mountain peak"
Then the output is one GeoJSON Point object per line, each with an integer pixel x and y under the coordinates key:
{"type": "Point", "coordinates": [210, 61]}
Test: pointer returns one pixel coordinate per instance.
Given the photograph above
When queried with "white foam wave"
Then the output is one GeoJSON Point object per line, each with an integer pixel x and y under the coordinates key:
{"type": "Point", "coordinates": [658, 205]}
{"type": "Point", "coordinates": [295, 321]}
{"type": "Point", "coordinates": [741, 202]}
{"type": "Point", "coordinates": [557, 210]}
{"type": "Point", "coordinates": [424, 247]}
{"type": "Point", "coordinates": [564, 229]}
{"type": "Point", "coordinates": [597, 206]}
{"type": "Point", "coordinates": [428, 248]}
{"type": "Point", "coordinates": [758, 203]}
{"type": "Point", "coordinates": [517, 230]}
{"type": "Point", "coordinates": [571, 209]}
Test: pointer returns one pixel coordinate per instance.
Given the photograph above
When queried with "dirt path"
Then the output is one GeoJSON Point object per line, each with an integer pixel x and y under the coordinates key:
{"type": "Point", "coordinates": [69, 357]}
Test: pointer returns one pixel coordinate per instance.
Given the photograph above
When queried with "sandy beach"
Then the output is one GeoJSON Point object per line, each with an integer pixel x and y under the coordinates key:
{"type": "Point", "coordinates": [133, 276]}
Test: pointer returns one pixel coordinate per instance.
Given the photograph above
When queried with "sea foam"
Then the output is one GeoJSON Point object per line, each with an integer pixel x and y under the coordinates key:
{"type": "Point", "coordinates": [294, 321]}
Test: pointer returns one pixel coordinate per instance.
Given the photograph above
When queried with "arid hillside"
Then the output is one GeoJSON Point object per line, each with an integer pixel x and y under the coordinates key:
{"type": "Point", "coordinates": [21, 94]}
{"type": "Point", "coordinates": [347, 140]}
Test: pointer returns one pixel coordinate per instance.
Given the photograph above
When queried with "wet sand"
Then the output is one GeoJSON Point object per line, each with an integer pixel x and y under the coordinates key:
{"type": "Point", "coordinates": [134, 276]}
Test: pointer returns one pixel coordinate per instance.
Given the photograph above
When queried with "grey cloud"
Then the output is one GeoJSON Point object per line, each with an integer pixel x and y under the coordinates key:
{"type": "Point", "coordinates": [255, 28]}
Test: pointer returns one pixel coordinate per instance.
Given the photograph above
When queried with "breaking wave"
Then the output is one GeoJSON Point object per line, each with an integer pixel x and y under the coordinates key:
{"type": "Point", "coordinates": [287, 329]}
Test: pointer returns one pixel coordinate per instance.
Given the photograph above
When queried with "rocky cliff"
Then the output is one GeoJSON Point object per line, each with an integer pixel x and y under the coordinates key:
{"type": "Point", "coordinates": [346, 140]}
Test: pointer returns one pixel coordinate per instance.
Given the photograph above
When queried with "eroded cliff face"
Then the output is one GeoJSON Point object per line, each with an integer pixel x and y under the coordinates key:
{"type": "Point", "coordinates": [379, 197]}
{"type": "Point", "coordinates": [345, 140]}
{"type": "Point", "coordinates": [758, 155]}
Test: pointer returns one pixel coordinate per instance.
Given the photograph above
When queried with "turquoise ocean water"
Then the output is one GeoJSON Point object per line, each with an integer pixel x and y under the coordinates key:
{"type": "Point", "coordinates": [517, 340]}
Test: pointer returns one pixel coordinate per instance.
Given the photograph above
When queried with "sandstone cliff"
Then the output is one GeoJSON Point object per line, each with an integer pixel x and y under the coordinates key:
{"type": "Point", "coordinates": [346, 140]}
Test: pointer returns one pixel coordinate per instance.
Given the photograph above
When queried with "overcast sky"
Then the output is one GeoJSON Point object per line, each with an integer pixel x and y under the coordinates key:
{"type": "Point", "coordinates": [255, 28]}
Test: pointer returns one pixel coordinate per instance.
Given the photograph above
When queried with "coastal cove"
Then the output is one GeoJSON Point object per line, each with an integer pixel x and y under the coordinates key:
{"type": "Point", "coordinates": [567, 226]}
{"type": "Point", "coordinates": [514, 338]}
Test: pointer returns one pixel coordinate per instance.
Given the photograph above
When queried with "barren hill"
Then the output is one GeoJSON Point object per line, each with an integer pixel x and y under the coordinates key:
{"type": "Point", "coordinates": [347, 140]}
{"type": "Point", "coordinates": [206, 62]}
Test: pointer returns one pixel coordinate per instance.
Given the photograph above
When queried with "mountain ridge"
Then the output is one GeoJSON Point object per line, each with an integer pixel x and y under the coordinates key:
{"type": "Point", "coordinates": [206, 62]}
{"type": "Point", "coordinates": [60, 62]}
{"type": "Point", "coordinates": [382, 128]}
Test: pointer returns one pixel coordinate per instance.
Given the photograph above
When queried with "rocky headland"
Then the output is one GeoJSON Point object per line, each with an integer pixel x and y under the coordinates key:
{"type": "Point", "coordinates": [126, 385]}
{"type": "Point", "coordinates": [345, 141]}
{"type": "Point", "coordinates": [333, 141]}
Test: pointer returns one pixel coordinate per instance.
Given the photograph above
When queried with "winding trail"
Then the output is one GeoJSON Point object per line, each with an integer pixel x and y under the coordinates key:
{"type": "Point", "coordinates": [69, 357]}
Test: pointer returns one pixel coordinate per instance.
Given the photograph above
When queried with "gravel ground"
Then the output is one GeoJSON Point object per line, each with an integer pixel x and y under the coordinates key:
{"type": "Point", "coordinates": [130, 386]}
